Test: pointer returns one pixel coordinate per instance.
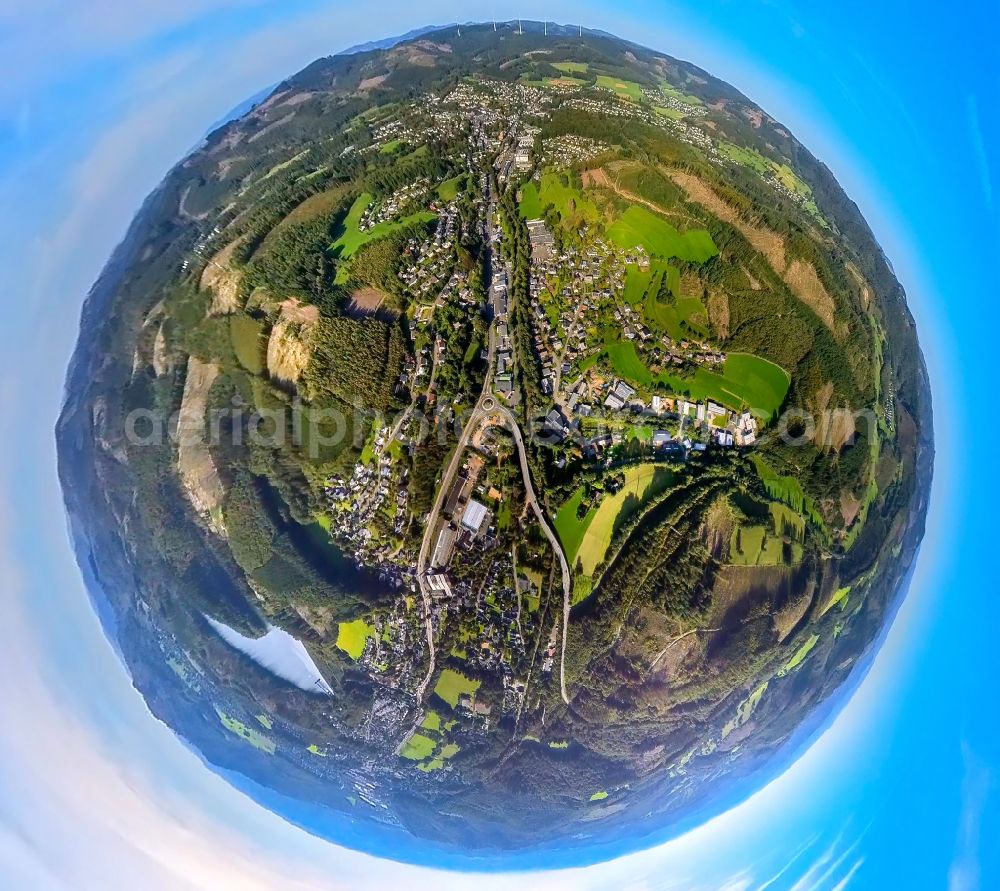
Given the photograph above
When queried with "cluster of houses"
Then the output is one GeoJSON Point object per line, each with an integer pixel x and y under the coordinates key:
{"type": "Point", "coordinates": [354, 502]}
{"type": "Point", "coordinates": [396, 204]}
{"type": "Point", "coordinates": [429, 260]}
{"type": "Point", "coordinates": [568, 149]}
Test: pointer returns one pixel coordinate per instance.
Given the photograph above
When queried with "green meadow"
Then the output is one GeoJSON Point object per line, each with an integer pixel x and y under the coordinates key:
{"type": "Point", "coordinates": [352, 637]}
{"type": "Point", "coordinates": [451, 685]}
{"type": "Point", "coordinates": [569, 202]}
{"type": "Point", "coordinates": [249, 344]}
{"type": "Point", "coordinates": [449, 189]}
{"type": "Point", "coordinates": [586, 540]}
{"type": "Point", "coordinates": [639, 226]}
{"type": "Point", "coordinates": [627, 89]}
{"type": "Point", "coordinates": [351, 237]}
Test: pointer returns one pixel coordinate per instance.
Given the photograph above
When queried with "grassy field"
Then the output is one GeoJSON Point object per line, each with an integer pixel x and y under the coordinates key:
{"type": "Point", "coordinates": [840, 596]}
{"type": "Point", "coordinates": [788, 490]}
{"type": "Point", "coordinates": [800, 655]}
{"type": "Point", "coordinates": [672, 92]}
{"type": "Point", "coordinates": [569, 527]}
{"type": "Point", "coordinates": [352, 636]}
{"type": "Point", "coordinates": [568, 201]}
{"type": "Point", "coordinates": [449, 189]}
{"type": "Point", "coordinates": [639, 226]}
{"type": "Point", "coordinates": [249, 345]}
{"type": "Point", "coordinates": [666, 318]}
{"type": "Point", "coordinates": [451, 685]}
{"type": "Point", "coordinates": [599, 796]}
{"type": "Point", "coordinates": [571, 67]}
{"type": "Point", "coordinates": [758, 546]}
{"type": "Point", "coordinates": [247, 734]}
{"type": "Point", "coordinates": [627, 89]}
{"type": "Point", "coordinates": [393, 145]}
{"type": "Point", "coordinates": [787, 522]}
{"type": "Point", "coordinates": [642, 483]}
{"type": "Point", "coordinates": [626, 361]}
{"type": "Point", "coordinates": [432, 721]}
{"type": "Point", "coordinates": [671, 113]}
{"type": "Point", "coordinates": [636, 284]}
{"type": "Point", "coordinates": [418, 747]}
{"type": "Point", "coordinates": [745, 710]}
{"type": "Point", "coordinates": [745, 380]}
{"type": "Point", "coordinates": [351, 237]}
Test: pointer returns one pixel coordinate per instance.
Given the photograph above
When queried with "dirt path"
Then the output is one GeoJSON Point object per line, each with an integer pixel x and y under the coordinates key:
{"type": "Point", "coordinates": [678, 639]}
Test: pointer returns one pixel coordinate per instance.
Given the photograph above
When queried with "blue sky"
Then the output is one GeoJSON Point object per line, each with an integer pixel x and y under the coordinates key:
{"type": "Point", "coordinates": [98, 99]}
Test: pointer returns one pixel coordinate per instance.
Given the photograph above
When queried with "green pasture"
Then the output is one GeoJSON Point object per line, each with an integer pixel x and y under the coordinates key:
{"type": "Point", "coordinates": [451, 685]}
{"type": "Point", "coordinates": [800, 655]}
{"type": "Point", "coordinates": [249, 343]}
{"type": "Point", "coordinates": [639, 226]}
{"type": "Point", "coordinates": [627, 89]}
{"type": "Point", "coordinates": [247, 734]}
{"type": "Point", "coordinates": [449, 189]}
{"type": "Point", "coordinates": [569, 202]}
{"type": "Point", "coordinates": [351, 237]}
{"type": "Point", "coordinates": [642, 483]}
{"type": "Point", "coordinates": [418, 747]}
{"type": "Point", "coordinates": [352, 637]}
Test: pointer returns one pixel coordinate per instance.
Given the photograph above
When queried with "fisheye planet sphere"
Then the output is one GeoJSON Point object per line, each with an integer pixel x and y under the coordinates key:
{"type": "Point", "coordinates": [504, 438]}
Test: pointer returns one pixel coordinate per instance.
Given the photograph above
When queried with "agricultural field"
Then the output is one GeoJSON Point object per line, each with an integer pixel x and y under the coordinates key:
{"type": "Point", "coordinates": [760, 546]}
{"type": "Point", "coordinates": [249, 342]}
{"type": "Point", "coordinates": [247, 734]}
{"type": "Point", "coordinates": [352, 637]}
{"type": "Point", "coordinates": [626, 89]}
{"type": "Point", "coordinates": [449, 189]}
{"type": "Point", "coordinates": [671, 92]}
{"type": "Point", "coordinates": [571, 67]}
{"type": "Point", "coordinates": [587, 540]}
{"type": "Point", "coordinates": [568, 201]}
{"type": "Point", "coordinates": [418, 747]}
{"type": "Point", "coordinates": [451, 685]}
{"type": "Point", "coordinates": [788, 490]}
{"type": "Point", "coordinates": [351, 238]}
{"type": "Point", "coordinates": [569, 527]}
{"type": "Point", "coordinates": [745, 380]}
{"type": "Point", "coordinates": [639, 226]}
{"type": "Point", "coordinates": [800, 655]}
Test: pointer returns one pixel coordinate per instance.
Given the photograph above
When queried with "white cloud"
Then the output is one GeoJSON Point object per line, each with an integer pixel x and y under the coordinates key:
{"type": "Point", "coordinates": [977, 783]}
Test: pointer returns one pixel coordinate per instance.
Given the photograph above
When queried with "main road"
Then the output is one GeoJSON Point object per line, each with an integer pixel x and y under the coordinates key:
{"type": "Point", "coordinates": [485, 407]}
{"type": "Point", "coordinates": [485, 398]}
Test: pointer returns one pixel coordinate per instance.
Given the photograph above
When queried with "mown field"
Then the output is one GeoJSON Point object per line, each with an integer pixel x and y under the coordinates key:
{"type": "Point", "coordinates": [449, 189]}
{"type": "Point", "coordinates": [639, 226]}
{"type": "Point", "coordinates": [567, 200]}
{"type": "Point", "coordinates": [451, 685]}
{"type": "Point", "coordinates": [352, 637]}
{"type": "Point", "coordinates": [586, 540]}
{"type": "Point", "coordinates": [351, 237]}
{"type": "Point", "coordinates": [745, 380]}
{"type": "Point", "coordinates": [627, 89]}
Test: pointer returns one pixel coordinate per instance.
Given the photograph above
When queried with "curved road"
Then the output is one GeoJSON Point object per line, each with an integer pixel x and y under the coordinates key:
{"type": "Point", "coordinates": [487, 405]}
{"type": "Point", "coordinates": [515, 429]}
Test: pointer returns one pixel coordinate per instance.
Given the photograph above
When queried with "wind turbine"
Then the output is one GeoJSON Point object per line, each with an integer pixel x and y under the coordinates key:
{"type": "Point", "coordinates": [581, 30]}
{"type": "Point", "coordinates": [546, 26]}
{"type": "Point", "coordinates": [519, 30]}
